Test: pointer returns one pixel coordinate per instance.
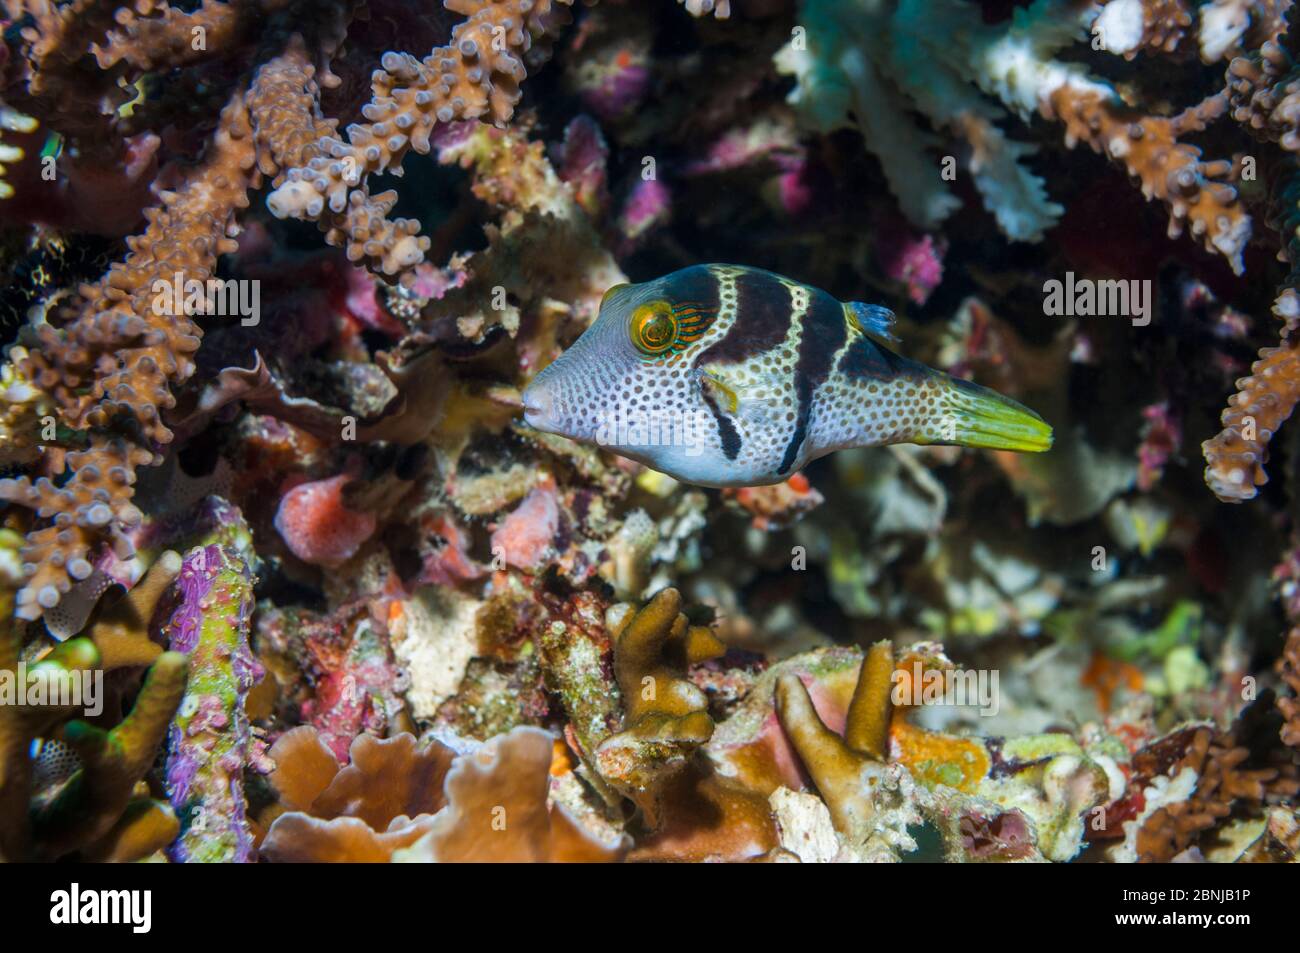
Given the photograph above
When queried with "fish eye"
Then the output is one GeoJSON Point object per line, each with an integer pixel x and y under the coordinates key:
{"type": "Point", "coordinates": [613, 290]}
{"type": "Point", "coordinates": [654, 329]}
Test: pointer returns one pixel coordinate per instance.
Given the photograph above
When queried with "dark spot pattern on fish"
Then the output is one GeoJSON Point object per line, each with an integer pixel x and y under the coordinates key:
{"type": "Point", "coordinates": [763, 314]}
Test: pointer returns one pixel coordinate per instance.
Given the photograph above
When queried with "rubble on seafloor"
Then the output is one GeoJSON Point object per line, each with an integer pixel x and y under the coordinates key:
{"type": "Point", "coordinates": [346, 605]}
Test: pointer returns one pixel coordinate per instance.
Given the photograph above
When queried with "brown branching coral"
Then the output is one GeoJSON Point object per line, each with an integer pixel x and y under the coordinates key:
{"type": "Point", "coordinates": [1264, 91]}
{"type": "Point", "coordinates": [112, 358]}
{"type": "Point", "coordinates": [157, 34]}
{"type": "Point", "coordinates": [1226, 778]}
{"type": "Point", "coordinates": [78, 99]}
{"type": "Point", "coordinates": [1261, 88]}
{"type": "Point", "coordinates": [1288, 667]}
{"type": "Point", "coordinates": [1235, 458]}
{"type": "Point", "coordinates": [476, 75]}
{"type": "Point", "coordinates": [115, 364]}
{"type": "Point", "coordinates": [398, 800]}
{"type": "Point", "coordinates": [97, 810]}
{"type": "Point", "coordinates": [1165, 24]}
{"type": "Point", "coordinates": [665, 716]}
{"type": "Point", "coordinates": [1196, 192]}
{"type": "Point", "coordinates": [844, 768]}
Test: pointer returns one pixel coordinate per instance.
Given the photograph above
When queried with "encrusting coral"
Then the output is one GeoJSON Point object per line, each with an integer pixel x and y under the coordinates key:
{"type": "Point", "coordinates": [210, 739]}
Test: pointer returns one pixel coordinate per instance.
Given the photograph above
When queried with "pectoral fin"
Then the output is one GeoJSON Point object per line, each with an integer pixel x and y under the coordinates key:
{"type": "Point", "coordinates": [719, 393]}
{"type": "Point", "coordinates": [753, 401]}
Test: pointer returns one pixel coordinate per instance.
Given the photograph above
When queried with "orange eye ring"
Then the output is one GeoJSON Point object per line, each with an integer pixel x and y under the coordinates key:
{"type": "Point", "coordinates": [654, 328]}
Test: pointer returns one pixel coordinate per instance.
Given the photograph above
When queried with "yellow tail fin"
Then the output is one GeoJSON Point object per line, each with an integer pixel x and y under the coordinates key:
{"type": "Point", "coordinates": [969, 415]}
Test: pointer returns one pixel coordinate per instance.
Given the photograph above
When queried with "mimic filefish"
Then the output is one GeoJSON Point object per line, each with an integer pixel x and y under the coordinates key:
{"type": "Point", "coordinates": [723, 375]}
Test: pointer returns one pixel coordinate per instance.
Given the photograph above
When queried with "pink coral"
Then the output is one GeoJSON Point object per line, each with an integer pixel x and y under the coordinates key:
{"type": "Point", "coordinates": [646, 207]}
{"type": "Point", "coordinates": [1161, 435]}
{"type": "Point", "coordinates": [914, 260]}
{"type": "Point", "coordinates": [525, 537]}
{"type": "Point", "coordinates": [318, 526]}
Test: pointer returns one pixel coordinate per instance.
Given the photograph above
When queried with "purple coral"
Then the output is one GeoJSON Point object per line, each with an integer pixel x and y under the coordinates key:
{"type": "Point", "coordinates": [210, 740]}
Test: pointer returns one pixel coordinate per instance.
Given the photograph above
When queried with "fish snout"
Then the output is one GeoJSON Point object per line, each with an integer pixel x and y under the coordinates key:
{"type": "Point", "coordinates": [539, 405]}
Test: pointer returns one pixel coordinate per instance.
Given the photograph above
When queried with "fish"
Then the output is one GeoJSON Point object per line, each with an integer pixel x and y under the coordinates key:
{"type": "Point", "coordinates": [731, 376]}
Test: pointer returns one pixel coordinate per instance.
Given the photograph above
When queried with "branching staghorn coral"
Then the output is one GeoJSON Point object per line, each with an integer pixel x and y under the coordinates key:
{"type": "Point", "coordinates": [1261, 89]}
{"type": "Point", "coordinates": [1132, 26]}
{"type": "Point", "coordinates": [114, 367]}
{"type": "Point", "coordinates": [111, 361]}
{"type": "Point", "coordinates": [1222, 28]}
{"type": "Point", "coordinates": [477, 74]}
{"type": "Point", "coordinates": [941, 56]}
{"type": "Point", "coordinates": [1235, 458]}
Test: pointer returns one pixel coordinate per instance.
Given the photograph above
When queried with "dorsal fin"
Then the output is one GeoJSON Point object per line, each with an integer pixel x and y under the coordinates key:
{"type": "Point", "coordinates": [872, 319]}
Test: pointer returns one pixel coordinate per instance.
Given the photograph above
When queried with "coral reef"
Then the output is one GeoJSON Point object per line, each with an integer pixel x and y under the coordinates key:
{"type": "Point", "coordinates": [93, 808]}
{"type": "Point", "coordinates": [280, 276]}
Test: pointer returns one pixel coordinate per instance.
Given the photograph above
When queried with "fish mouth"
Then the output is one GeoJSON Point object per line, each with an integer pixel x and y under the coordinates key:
{"type": "Point", "coordinates": [536, 407]}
